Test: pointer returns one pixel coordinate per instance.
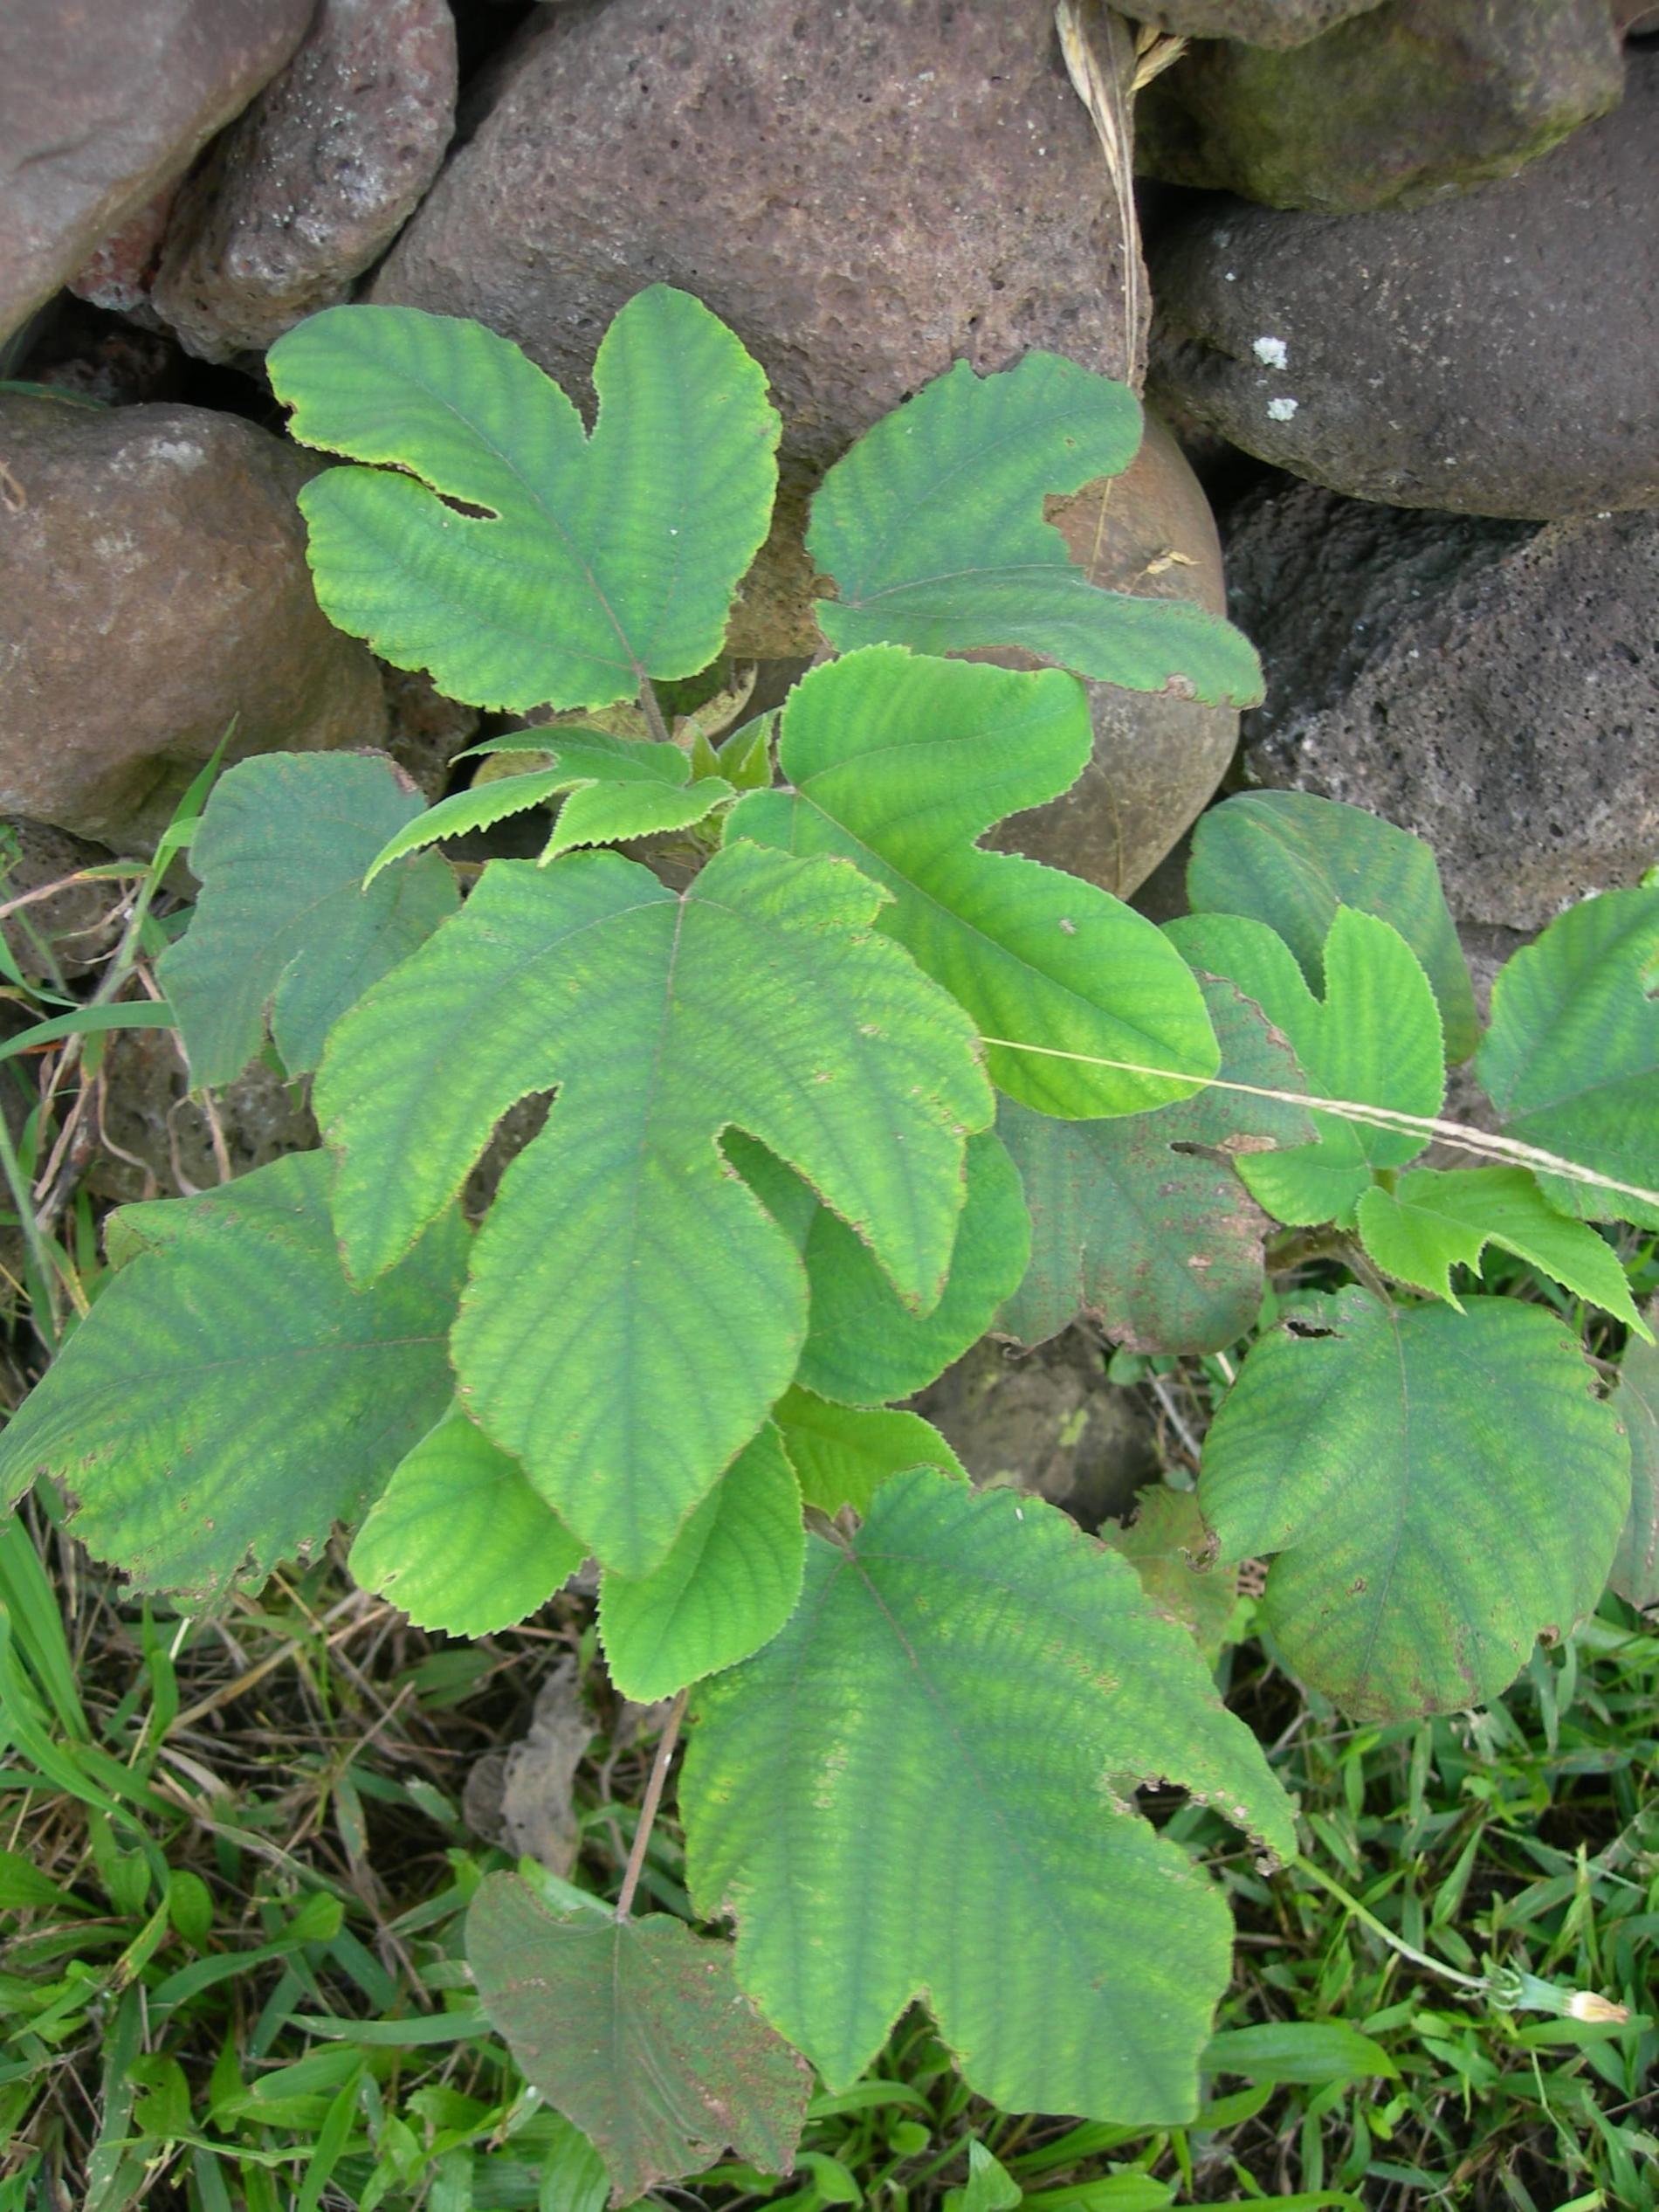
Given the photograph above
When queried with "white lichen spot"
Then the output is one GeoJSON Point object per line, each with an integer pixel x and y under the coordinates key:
{"type": "Point", "coordinates": [178, 451]}
{"type": "Point", "coordinates": [1270, 352]}
{"type": "Point", "coordinates": [1281, 409]}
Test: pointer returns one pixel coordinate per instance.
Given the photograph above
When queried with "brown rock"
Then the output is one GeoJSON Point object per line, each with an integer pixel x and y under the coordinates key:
{"type": "Point", "coordinates": [65, 933]}
{"type": "Point", "coordinates": [153, 580]}
{"type": "Point", "coordinates": [1403, 104]}
{"type": "Point", "coordinates": [314, 182]}
{"type": "Point", "coordinates": [101, 104]}
{"type": "Point", "coordinates": [1157, 758]}
{"type": "Point", "coordinates": [118, 271]}
{"type": "Point", "coordinates": [1496, 354]}
{"type": "Point", "coordinates": [1493, 687]}
{"type": "Point", "coordinates": [1257, 22]}
{"type": "Point", "coordinates": [865, 193]}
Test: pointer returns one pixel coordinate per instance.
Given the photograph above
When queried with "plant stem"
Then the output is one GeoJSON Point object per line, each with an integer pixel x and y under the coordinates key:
{"type": "Point", "coordinates": [1395, 1942]}
{"type": "Point", "coordinates": [652, 712]}
{"type": "Point", "coordinates": [653, 1799]}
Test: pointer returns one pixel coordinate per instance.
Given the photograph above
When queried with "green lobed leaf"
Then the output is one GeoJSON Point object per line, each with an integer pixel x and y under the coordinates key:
{"type": "Point", "coordinates": [283, 924]}
{"type": "Point", "coordinates": [1635, 1574]}
{"type": "Point", "coordinates": [864, 1346]}
{"type": "Point", "coordinates": [618, 788]}
{"type": "Point", "coordinates": [1440, 1488]}
{"type": "Point", "coordinates": [1375, 1038]}
{"type": "Point", "coordinates": [1157, 1241]}
{"type": "Point", "coordinates": [1290, 859]}
{"type": "Point", "coordinates": [1434, 1219]}
{"type": "Point", "coordinates": [1572, 1058]}
{"type": "Point", "coordinates": [935, 1759]}
{"type": "Point", "coordinates": [626, 1360]}
{"type": "Point", "coordinates": [598, 560]}
{"type": "Point", "coordinates": [229, 1396]}
{"type": "Point", "coordinates": [842, 1455]}
{"type": "Point", "coordinates": [1169, 1548]}
{"type": "Point", "coordinates": [458, 1538]}
{"type": "Point", "coordinates": [725, 1589]}
{"type": "Point", "coordinates": [899, 764]}
{"type": "Point", "coordinates": [638, 2032]}
{"type": "Point", "coordinates": [932, 529]}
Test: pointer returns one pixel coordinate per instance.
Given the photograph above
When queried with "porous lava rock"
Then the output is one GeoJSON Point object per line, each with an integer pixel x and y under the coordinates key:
{"type": "Point", "coordinates": [314, 183]}
{"type": "Point", "coordinates": [1259, 23]}
{"type": "Point", "coordinates": [152, 572]}
{"type": "Point", "coordinates": [1493, 354]}
{"type": "Point", "coordinates": [102, 102]}
{"type": "Point", "coordinates": [1157, 757]}
{"type": "Point", "coordinates": [1403, 104]}
{"type": "Point", "coordinates": [1493, 686]}
{"type": "Point", "coordinates": [866, 193]}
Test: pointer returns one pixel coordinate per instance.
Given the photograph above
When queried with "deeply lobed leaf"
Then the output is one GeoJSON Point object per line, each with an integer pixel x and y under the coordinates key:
{"type": "Point", "coordinates": [934, 1760]}
{"type": "Point", "coordinates": [901, 764]}
{"type": "Point", "coordinates": [596, 561]}
{"type": "Point", "coordinates": [627, 1360]}
{"type": "Point", "coordinates": [932, 529]}
{"type": "Point", "coordinates": [1290, 859]}
{"type": "Point", "coordinates": [229, 1396]}
{"type": "Point", "coordinates": [1440, 1487]}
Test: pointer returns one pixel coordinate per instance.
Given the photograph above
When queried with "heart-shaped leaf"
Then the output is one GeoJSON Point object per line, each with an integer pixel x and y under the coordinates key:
{"type": "Point", "coordinates": [231, 1395]}
{"type": "Point", "coordinates": [626, 1360]}
{"type": "Point", "coordinates": [932, 529]}
{"type": "Point", "coordinates": [936, 1758]}
{"type": "Point", "coordinates": [901, 764]}
{"type": "Point", "coordinates": [283, 924]}
{"type": "Point", "coordinates": [1138, 1222]}
{"type": "Point", "coordinates": [1572, 1058]}
{"type": "Point", "coordinates": [596, 562]}
{"type": "Point", "coordinates": [1290, 859]}
{"type": "Point", "coordinates": [460, 1539]}
{"type": "Point", "coordinates": [1440, 1487]}
{"type": "Point", "coordinates": [637, 2032]}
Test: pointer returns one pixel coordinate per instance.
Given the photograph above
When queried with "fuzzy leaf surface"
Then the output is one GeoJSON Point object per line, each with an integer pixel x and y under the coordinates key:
{"type": "Point", "coordinates": [1373, 1038]}
{"type": "Point", "coordinates": [459, 1539]}
{"type": "Point", "coordinates": [1635, 1564]}
{"type": "Point", "coordinates": [1440, 1489]}
{"type": "Point", "coordinates": [283, 926]}
{"type": "Point", "coordinates": [936, 1758]}
{"type": "Point", "coordinates": [1168, 1545]}
{"type": "Point", "coordinates": [626, 1359]}
{"type": "Point", "coordinates": [638, 2032]}
{"type": "Point", "coordinates": [864, 1346]}
{"type": "Point", "coordinates": [1141, 1222]}
{"type": "Point", "coordinates": [597, 560]}
{"type": "Point", "coordinates": [1290, 859]}
{"type": "Point", "coordinates": [1572, 1058]}
{"type": "Point", "coordinates": [901, 764]}
{"type": "Point", "coordinates": [842, 1455]}
{"type": "Point", "coordinates": [933, 529]}
{"type": "Point", "coordinates": [725, 1589]}
{"type": "Point", "coordinates": [1436, 1219]}
{"type": "Point", "coordinates": [613, 788]}
{"type": "Point", "coordinates": [229, 1396]}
